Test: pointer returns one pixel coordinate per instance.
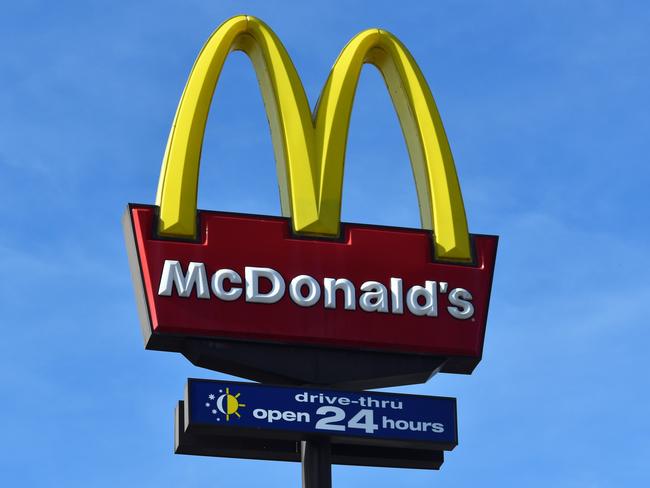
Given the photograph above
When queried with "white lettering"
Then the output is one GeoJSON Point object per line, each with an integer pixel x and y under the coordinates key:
{"type": "Point", "coordinates": [218, 285]}
{"type": "Point", "coordinates": [463, 309]}
{"type": "Point", "coordinates": [302, 397]}
{"type": "Point", "coordinates": [295, 291]}
{"type": "Point", "coordinates": [375, 298]}
{"type": "Point", "coordinates": [430, 295]}
{"type": "Point", "coordinates": [346, 286]}
{"type": "Point", "coordinates": [267, 286]}
{"type": "Point", "coordinates": [396, 293]}
{"type": "Point", "coordinates": [274, 415]}
{"type": "Point", "coordinates": [173, 275]}
{"type": "Point", "coordinates": [253, 293]}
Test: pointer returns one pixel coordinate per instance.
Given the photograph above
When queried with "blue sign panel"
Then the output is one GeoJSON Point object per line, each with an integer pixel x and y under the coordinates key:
{"type": "Point", "coordinates": [299, 412]}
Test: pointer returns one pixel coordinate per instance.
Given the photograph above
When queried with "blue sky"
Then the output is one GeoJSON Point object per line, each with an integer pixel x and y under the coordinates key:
{"type": "Point", "coordinates": [546, 108]}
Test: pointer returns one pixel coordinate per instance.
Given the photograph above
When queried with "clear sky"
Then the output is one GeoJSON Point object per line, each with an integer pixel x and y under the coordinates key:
{"type": "Point", "coordinates": [546, 107]}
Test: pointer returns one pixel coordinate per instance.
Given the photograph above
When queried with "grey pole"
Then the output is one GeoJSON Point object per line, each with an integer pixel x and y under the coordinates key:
{"type": "Point", "coordinates": [316, 463]}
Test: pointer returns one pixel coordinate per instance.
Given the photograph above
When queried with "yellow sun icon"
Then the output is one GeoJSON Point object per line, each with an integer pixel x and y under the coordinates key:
{"type": "Point", "coordinates": [228, 404]}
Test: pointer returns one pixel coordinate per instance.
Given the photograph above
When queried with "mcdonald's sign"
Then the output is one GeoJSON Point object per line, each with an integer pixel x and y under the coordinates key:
{"type": "Point", "coordinates": [304, 297]}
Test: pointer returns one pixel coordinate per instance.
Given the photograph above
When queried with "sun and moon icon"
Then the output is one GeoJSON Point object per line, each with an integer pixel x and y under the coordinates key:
{"type": "Point", "coordinates": [226, 403]}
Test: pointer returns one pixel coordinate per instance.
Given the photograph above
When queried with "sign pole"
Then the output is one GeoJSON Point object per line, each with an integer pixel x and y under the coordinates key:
{"type": "Point", "coordinates": [316, 461]}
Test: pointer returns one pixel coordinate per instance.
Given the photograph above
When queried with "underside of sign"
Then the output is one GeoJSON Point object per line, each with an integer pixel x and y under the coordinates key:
{"type": "Point", "coordinates": [370, 309]}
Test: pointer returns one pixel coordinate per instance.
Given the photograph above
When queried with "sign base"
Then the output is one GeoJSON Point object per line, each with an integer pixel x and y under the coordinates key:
{"type": "Point", "coordinates": [334, 368]}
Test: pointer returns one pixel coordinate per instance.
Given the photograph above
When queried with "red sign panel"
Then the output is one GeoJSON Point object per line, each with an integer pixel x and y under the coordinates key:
{"type": "Point", "coordinates": [377, 288]}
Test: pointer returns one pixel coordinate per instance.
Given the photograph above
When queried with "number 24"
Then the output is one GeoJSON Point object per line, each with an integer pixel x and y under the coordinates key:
{"type": "Point", "coordinates": [363, 419]}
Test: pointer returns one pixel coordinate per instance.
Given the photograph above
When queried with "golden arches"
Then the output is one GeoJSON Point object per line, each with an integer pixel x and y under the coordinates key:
{"type": "Point", "coordinates": [310, 153]}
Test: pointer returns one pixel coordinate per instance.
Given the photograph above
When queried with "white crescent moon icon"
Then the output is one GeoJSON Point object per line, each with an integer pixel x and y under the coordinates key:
{"type": "Point", "coordinates": [220, 403]}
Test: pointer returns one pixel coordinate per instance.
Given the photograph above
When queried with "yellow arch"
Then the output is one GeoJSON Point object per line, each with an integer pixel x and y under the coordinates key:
{"type": "Point", "coordinates": [310, 153]}
{"type": "Point", "coordinates": [288, 113]}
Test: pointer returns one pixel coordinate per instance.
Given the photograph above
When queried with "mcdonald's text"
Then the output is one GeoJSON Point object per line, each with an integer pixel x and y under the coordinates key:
{"type": "Point", "coordinates": [306, 291]}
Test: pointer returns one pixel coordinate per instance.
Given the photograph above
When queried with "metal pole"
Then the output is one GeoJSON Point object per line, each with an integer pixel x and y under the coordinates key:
{"type": "Point", "coordinates": [316, 463]}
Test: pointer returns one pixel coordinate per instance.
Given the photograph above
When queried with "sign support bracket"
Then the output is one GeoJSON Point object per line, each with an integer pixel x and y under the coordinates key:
{"type": "Point", "coordinates": [316, 459]}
